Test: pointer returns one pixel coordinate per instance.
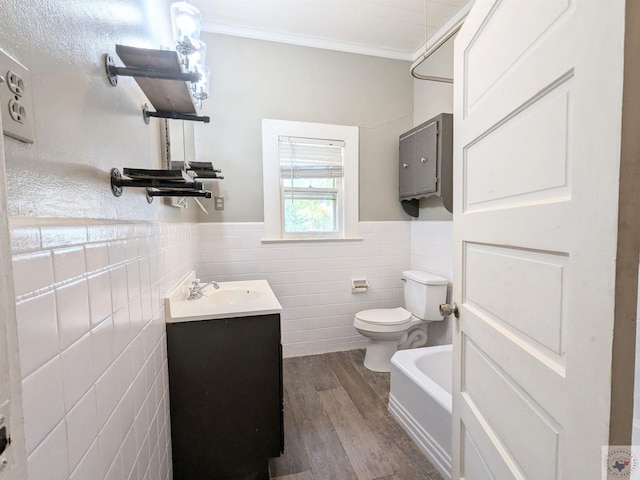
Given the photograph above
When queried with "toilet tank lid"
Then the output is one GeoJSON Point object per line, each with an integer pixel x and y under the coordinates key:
{"type": "Point", "coordinates": [425, 278]}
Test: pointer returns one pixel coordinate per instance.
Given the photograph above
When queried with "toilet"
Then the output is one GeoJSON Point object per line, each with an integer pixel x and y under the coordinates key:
{"type": "Point", "coordinates": [391, 328]}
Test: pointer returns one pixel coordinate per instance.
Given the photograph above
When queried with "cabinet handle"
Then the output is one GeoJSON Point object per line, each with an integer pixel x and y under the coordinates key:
{"type": "Point", "coordinates": [404, 165]}
{"type": "Point", "coordinates": [423, 159]}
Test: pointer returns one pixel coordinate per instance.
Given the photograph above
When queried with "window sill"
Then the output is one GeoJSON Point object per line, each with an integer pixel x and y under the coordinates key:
{"type": "Point", "coordinates": [310, 240]}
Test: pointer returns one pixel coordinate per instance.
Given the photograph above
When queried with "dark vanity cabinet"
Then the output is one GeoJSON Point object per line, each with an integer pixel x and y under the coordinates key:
{"type": "Point", "coordinates": [425, 163]}
{"type": "Point", "coordinates": [225, 384]}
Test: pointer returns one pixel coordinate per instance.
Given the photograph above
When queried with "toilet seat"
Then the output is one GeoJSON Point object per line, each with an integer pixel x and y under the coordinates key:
{"type": "Point", "coordinates": [384, 316]}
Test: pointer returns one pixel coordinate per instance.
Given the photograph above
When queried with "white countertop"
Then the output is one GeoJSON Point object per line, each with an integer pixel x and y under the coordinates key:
{"type": "Point", "coordinates": [231, 299]}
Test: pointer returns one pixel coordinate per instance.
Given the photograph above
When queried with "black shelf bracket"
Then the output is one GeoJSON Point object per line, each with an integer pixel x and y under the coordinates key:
{"type": "Point", "coordinates": [156, 187]}
{"type": "Point", "coordinates": [178, 193]}
{"type": "Point", "coordinates": [147, 114]}
{"type": "Point", "coordinates": [113, 72]}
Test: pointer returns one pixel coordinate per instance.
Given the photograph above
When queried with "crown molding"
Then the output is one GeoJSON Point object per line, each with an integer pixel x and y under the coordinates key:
{"type": "Point", "coordinates": [306, 41]}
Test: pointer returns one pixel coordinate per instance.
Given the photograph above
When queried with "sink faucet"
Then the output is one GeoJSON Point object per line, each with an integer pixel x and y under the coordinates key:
{"type": "Point", "coordinates": [195, 289]}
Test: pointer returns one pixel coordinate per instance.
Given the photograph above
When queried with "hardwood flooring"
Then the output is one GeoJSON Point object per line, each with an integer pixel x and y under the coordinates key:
{"type": "Point", "coordinates": [337, 426]}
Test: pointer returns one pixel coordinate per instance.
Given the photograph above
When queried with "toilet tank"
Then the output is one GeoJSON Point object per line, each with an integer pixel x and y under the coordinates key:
{"type": "Point", "coordinates": [423, 293]}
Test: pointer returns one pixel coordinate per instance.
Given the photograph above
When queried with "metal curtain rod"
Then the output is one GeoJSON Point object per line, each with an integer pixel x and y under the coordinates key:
{"type": "Point", "coordinates": [431, 50]}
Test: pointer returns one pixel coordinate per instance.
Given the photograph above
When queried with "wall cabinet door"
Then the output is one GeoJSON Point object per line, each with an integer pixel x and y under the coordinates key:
{"type": "Point", "coordinates": [425, 161]}
{"type": "Point", "coordinates": [407, 155]}
{"type": "Point", "coordinates": [419, 160]}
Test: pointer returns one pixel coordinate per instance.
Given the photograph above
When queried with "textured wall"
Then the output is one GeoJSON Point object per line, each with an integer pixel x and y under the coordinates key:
{"type": "Point", "coordinates": [253, 79]}
{"type": "Point", "coordinates": [84, 127]}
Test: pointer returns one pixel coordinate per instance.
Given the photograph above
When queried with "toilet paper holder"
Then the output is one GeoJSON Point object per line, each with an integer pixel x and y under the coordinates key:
{"type": "Point", "coordinates": [359, 285]}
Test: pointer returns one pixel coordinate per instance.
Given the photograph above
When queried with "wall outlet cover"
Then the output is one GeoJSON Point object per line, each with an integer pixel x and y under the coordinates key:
{"type": "Point", "coordinates": [16, 104]}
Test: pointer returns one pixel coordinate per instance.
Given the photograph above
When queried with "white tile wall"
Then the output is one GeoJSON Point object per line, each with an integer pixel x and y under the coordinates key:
{"type": "Point", "coordinates": [92, 346]}
{"type": "Point", "coordinates": [432, 251]}
{"type": "Point", "coordinates": [313, 280]}
{"type": "Point", "coordinates": [432, 247]}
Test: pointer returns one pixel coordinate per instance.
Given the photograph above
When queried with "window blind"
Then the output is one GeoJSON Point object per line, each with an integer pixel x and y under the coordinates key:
{"type": "Point", "coordinates": [310, 157]}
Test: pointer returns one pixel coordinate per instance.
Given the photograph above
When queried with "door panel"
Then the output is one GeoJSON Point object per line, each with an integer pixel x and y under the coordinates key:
{"type": "Point", "coordinates": [537, 114]}
{"type": "Point", "coordinates": [535, 134]}
{"type": "Point", "coordinates": [489, 56]}
{"type": "Point", "coordinates": [406, 167]}
{"type": "Point", "coordinates": [525, 294]}
{"type": "Point", "coordinates": [426, 159]}
{"type": "Point", "coordinates": [482, 381]}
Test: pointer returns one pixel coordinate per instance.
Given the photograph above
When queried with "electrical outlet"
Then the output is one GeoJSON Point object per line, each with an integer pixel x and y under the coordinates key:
{"type": "Point", "coordinates": [18, 120]}
{"type": "Point", "coordinates": [15, 83]}
{"type": "Point", "coordinates": [17, 110]}
{"type": "Point", "coordinates": [219, 203]}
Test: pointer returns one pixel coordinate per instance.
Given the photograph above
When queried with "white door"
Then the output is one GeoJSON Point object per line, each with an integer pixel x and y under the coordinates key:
{"type": "Point", "coordinates": [537, 108]}
{"type": "Point", "coordinates": [12, 459]}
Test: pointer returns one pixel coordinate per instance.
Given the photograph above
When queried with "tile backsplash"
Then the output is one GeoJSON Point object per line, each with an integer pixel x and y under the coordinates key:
{"type": "Point", "coordinates": [92, 347]}
{"type": "Point", "coordinates": [312, 280]}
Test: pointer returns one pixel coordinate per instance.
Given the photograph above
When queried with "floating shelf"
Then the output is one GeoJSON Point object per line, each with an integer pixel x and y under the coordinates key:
{"type": "Point", "coordinates": [160, 76]}
{"type": "Point", "coordinates": [159, 183]}
{"type": "Point", "coordinates": [204, 170]}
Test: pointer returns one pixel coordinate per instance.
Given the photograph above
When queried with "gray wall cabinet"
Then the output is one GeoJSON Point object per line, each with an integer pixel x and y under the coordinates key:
{"type": "Point", "coordinates": [425, 163]}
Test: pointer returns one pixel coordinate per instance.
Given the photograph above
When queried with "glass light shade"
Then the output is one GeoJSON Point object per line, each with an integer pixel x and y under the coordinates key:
{"type": "Point", "coordinates": [201, 88]}
{"type": "Point", "coordinates": [198, 57]}
{"type": "Point", "coordinates": [186, 26]}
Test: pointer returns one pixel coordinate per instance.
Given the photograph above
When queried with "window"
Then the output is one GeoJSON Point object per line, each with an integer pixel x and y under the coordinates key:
{"type": "Point", "coordinates": [310, 180]}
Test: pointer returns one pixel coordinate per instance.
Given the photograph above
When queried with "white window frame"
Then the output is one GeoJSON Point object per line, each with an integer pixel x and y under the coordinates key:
{"type": "Point", "coordinates": [272, 130]}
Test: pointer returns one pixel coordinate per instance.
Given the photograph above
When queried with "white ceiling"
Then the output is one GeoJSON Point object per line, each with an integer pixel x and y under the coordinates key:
{"type": "Point", "coordinates": [386, 28]}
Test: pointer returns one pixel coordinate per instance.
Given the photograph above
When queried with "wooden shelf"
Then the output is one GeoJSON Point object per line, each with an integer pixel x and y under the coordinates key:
{"type": "Point", "coordinates": [164, 95]}
{"type": "Point", "coordinates": [160, 76]}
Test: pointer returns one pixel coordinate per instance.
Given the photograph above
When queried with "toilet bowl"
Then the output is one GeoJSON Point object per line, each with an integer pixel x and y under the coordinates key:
{"type": "Point", "coordinates": [384, 328]}
{"type": "Point", "coordinates": [391, 328]}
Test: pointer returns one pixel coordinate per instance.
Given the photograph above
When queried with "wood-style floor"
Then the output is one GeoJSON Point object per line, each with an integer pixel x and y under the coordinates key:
{"type": "Point", "coordinates": [337, 426]}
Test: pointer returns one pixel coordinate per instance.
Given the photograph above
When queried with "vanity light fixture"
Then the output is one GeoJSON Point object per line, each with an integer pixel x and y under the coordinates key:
{"type": "Point", "coordinates": [186, 34]}
{"type": "Point", "coordinates": [186, 27]}
{"type": "Point", "coordinates": [175, 82]}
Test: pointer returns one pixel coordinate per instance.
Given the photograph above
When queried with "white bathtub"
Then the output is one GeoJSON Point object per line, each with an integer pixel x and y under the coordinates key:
{"type": "Point", "coordinates": [420, 400]}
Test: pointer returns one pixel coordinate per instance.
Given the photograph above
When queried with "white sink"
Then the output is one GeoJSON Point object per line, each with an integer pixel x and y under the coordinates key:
{"type": "Point", "coordinates": [231, 299]}
{"type": "Point", "coordinates": [231, 295]}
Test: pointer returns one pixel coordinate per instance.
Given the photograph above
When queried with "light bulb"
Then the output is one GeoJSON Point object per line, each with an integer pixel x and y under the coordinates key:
{"type": "Point", "coordinates": [201, 87]}
{"type": "Point", "coordinates": [198, 57]}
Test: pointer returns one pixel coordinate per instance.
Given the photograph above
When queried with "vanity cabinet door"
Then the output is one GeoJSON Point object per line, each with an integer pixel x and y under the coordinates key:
{"type": "Point", "coordinates": [225, 386]}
